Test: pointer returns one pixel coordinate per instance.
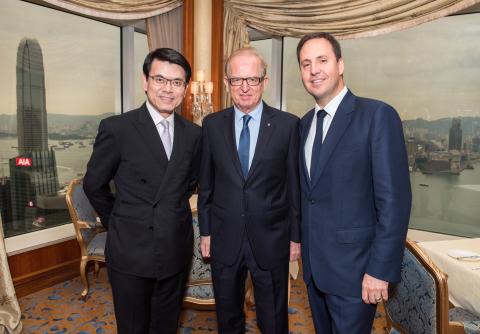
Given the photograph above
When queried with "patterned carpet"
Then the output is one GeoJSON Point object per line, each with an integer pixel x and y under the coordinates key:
{"type": "Point", "coordinates": [58, 310]}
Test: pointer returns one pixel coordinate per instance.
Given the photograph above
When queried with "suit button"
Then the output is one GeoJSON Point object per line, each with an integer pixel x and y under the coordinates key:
{"type": "Point", "coordinates": [150, 228]}
{"type": "Point", "coordinates": [154, 205]}
{"type": "Point", "coordinates": [143, 180]}
{"type": "Point", "coordinates": [243, 215]}
{"type": "Point", "coordinates": [312, 201]}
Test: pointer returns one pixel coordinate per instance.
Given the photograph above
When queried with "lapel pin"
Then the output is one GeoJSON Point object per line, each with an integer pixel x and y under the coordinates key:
{"type": "Point", "coordinates": [268, 124]}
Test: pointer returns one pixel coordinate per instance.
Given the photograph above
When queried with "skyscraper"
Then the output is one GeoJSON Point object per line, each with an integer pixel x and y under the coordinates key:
{"type": "Point", "coordinates": [455, 136]}
{"type": "Point", "coordinates": [37, 178]}
{"type": "Point", "coordinates": [31, 109]}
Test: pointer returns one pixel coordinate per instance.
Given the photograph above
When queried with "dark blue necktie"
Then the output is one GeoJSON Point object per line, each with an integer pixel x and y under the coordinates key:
{"type": "Point", "coordinates": [317, 143]}
{"type": "Point", "coordinates": [244, 145]}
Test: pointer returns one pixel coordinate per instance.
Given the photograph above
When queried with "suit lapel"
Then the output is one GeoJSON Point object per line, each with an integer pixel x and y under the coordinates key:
{"type": "Point", "coordinates": [229, 133]}
{"type": "Point", "coordinates": [305, 129]}
{"type": "Point", "coordinates": [267, 127]}
{"type": "Point", "coordinates": [339, 124]}
{"type": "Point", "coordinates": [149, 133]}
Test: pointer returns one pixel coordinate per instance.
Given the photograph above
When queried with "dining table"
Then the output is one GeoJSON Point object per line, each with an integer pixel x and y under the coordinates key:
{"type": "Point", "coordinates": [460, 260]}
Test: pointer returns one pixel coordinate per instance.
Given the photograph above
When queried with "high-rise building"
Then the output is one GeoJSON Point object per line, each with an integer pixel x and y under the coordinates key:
{"type": "Point", "coordinates": [31, 109]}
{"type": "Point", "coordinates": [33, 173]}
{"type": "Point", "coordinates": [455, 136]}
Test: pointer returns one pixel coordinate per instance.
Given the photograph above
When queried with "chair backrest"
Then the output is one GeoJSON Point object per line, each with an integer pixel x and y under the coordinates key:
{"type": "Point", "coordinates": [200, 271]}
{"type": "Point", "coordinates": [419, 303]}
{"type": "Point", "coordinates": [199, 291]}
{"type": "Point", "coordinates": [81, 212]}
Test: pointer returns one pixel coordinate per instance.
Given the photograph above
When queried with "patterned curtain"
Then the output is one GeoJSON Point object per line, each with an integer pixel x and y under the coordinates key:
{"type": "Point", "coordinates": [118, 9]}
{"type": "Point", "coordinates": [9, 309]}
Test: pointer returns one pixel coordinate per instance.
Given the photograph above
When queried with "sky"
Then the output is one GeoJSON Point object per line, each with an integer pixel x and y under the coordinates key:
{"type": "Point", "coordinates": [430, 71]}
{"type": "Point", "coordinates": [81, 58]}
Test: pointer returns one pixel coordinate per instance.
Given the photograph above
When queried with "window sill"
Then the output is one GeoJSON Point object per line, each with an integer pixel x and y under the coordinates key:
{"type": "Point", "coordinates": [38, 239]}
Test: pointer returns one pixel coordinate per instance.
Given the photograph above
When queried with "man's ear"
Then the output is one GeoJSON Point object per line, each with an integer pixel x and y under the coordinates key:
{"type": "Point", "coordinates": [144, 82]}
{"type": "Point", "coordinates": [341, 66]}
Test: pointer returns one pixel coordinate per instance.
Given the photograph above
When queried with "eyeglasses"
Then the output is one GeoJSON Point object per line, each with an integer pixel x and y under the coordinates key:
{"type": "Point", "coordinates": [161, 81]}
{"type": "Point", "coordinates": [251, 81]}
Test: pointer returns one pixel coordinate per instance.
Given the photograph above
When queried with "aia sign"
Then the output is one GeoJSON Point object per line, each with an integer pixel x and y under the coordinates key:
{"type": "Point", "coordinates": [25, 162]}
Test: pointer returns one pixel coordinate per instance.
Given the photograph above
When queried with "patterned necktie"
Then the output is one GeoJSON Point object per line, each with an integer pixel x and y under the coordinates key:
{"type": "Point", "coordinates": [166, 139]}
{"type": "Point", "coordinates": [244, 145]}
{"type": "Point", "coordinates": [317, 143]}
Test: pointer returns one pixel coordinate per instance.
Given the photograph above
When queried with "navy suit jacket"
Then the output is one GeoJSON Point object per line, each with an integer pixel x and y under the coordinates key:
{"type": "Point", "coordinates": [356, 208]}
{"type": "Point", "coordinates": [265, 206]}
{"type": "Point", "coordinates": [149, 219]}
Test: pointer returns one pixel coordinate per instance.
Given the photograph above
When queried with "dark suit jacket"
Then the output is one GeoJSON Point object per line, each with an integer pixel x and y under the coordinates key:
{"type": "Point", "coordinates": [356, 209]}
{"type": "Point", "coordinates": [149, 219]}
{"type": "Point", "coordinates": [265, 205]}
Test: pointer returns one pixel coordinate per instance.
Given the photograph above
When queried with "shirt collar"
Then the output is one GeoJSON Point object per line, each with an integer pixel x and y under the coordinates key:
{"type": "Point", "coordinates": [157, 118]}
{"type": "Point", "coordinates": [332, 106]}
{"type": "Point", "coordinates": [256, 113]}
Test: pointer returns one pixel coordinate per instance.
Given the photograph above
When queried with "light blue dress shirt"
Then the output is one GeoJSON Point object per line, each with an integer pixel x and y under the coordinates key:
{"type": "Point", "coordinates": [253, 126]}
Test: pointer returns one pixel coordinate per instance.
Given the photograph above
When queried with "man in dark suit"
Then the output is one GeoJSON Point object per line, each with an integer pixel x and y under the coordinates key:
{"type": "Point", "coordinates": [153, 155]}
{"type": "Point", "coordinates": [249, 199]}
{"type": "Point", "coordinates": [355, 194]}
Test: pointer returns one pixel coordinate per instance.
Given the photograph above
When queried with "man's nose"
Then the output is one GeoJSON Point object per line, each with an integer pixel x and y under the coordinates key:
{"type": "Point", "coordinates": [314, 69]}
{"type": "Point", "coordinates": [245, 87]}
{"type": "Point", "coordinates": [168, 86]}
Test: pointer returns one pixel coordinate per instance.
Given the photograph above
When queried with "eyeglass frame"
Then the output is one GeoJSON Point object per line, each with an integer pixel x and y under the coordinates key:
{"type": "Point", "coordinates": [260, 80]}
{"type": "Point", "coordinates": [183, 83]}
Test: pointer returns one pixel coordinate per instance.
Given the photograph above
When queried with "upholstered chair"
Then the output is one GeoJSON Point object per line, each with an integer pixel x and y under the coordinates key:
{"type": "Point", "coordinates": [91, 235]}
{"type": "Point", "coordinates": [419, 303]}
{"type": "Point", "coordinates": [199, 292]}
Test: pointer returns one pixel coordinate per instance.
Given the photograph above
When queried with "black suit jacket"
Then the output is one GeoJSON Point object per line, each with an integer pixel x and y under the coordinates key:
{"type": "Point", "coordinates": [148, 219]}
{"type": "Point", "coordinates": [266, 204]}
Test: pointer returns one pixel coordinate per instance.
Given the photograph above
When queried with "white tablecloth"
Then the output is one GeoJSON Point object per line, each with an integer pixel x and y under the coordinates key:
{"type": "Point", "coordinates": [463, 279]}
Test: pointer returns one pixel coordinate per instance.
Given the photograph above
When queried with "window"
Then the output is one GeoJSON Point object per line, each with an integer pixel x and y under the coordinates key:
{"type": "Point", "coordinates": [264, 48]}
{"type": "Point", "coordinates": [141, 51]}
{"type": "Point", "coordinates": [431, 75]}
{"type": "Point", "coordinates": [59, 76]}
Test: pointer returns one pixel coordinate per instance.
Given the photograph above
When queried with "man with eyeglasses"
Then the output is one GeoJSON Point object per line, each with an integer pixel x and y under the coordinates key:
{"type": "Point", "coordinates": [249, 199]}
{"type": "Point", "coordinates": [153, 155]}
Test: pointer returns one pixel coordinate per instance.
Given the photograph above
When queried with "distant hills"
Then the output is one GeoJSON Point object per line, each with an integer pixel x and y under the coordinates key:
{"type": "Point", "coordinates": [60, 126]}
{"type": "Point", "coordinates": [442, 126]}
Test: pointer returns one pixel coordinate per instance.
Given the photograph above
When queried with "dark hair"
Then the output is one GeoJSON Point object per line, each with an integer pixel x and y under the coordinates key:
{"type": "Point", "coordinates": [325, 35]}
{"type": "Point", "coordinates": [170, 55]}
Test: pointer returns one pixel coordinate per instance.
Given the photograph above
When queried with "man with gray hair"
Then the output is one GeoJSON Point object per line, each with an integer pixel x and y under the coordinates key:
{"type": "Point", "coordinates": [249, 199]}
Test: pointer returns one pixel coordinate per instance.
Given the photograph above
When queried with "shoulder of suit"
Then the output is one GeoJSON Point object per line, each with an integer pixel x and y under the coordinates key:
{"type": "Point", "coordinates": [365, 103]}
{"type": "Point", "coordinates": [284, 115]}
{"type": "Point", "coordinates": [131, 114]}
{"type": "Point", "coordinates": [189, 125]}
{"type": "Point", "coordinates": [217, 115]}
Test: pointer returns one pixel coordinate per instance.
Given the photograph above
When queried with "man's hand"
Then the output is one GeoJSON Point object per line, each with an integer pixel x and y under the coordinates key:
{"type": "Point", "coordinates": [205, 246]}
{"type": "Point", "coordinates": [295, 251]}
{"type": "Point", "coordinates": [374, 290]}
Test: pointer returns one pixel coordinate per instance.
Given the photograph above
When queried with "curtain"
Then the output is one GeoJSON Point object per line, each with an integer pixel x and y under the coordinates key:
{"type": "Point", "coordinates": [165, 30]}
{"type": "Point", "coordinates": [342, 18]}
{"type": "Point", "coordinates": [118, 9]}
{"type": "Point", "coordinates": [9, 309]}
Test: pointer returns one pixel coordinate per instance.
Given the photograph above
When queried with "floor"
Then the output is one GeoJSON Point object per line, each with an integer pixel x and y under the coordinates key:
{"type": "Point", "coordinates": [58, 310]}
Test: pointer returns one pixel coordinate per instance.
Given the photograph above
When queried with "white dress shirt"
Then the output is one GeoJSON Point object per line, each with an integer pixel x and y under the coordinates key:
{"type": "Point", "coordinates": [157, 118]}
{"type": "Point", "coordinates": [331, 109]}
